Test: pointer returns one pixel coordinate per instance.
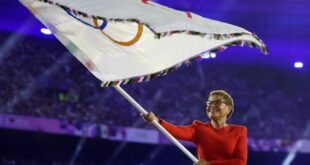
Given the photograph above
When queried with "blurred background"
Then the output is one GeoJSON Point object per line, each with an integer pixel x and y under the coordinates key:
{"type": "Point", "coordinates": [53, 111]}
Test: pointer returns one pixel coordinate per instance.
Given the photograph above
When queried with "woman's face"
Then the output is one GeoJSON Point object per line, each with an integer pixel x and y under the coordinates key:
{"type": "Point", "coordinates": [217, 108]}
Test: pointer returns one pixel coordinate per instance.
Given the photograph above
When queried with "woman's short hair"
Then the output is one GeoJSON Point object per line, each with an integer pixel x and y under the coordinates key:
{"type": "Point", "coordinates": [227, 98]}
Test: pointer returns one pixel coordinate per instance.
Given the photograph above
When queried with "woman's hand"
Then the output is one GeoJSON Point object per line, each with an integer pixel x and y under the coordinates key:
{"type": "Point", "coordinates": [149, 117]}
{"type": "Point", "coordinates": [202, 162]}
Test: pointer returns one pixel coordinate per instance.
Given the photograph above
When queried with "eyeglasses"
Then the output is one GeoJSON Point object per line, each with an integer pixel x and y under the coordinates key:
{"type": "Point", "coordinates": [215, 102]}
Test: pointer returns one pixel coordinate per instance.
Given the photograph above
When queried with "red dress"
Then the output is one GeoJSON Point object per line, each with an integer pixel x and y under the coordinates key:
{"type": "Point", "coordinates": [223, 146]}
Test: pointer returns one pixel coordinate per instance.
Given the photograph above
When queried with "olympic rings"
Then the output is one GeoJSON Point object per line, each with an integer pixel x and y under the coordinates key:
{"type": "Point", "coordinates": [123, 43]}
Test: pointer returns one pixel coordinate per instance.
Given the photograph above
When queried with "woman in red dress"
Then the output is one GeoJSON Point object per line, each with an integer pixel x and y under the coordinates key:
{"type": "Point", "coordinates": [217, 143]}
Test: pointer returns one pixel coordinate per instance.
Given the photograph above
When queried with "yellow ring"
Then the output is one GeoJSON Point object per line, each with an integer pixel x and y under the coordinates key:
{"type": "Point", "coordinates": [128, 43]}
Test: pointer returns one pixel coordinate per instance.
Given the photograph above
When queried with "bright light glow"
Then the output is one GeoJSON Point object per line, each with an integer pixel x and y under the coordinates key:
{"type": "Point", "coordinates": [299, 65]}
{"type": "Point", "coordinates": [205, 55]}
{"type": "Point", "coordinates": [46, 31]}
{"type": "Point", "coordinates": [213, 55]}
{"type": "Point", "coordinates": [292, 153]}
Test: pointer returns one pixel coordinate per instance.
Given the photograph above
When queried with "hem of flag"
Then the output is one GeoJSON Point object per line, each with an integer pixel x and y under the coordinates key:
{"type": "Point", "coordinates": [177, 66]}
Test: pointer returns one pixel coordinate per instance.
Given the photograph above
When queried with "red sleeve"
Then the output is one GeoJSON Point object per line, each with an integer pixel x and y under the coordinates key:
{"type": "Point", "coordinates": [240, 153]}
{"type": "Point", "coordinates": [187, 133]}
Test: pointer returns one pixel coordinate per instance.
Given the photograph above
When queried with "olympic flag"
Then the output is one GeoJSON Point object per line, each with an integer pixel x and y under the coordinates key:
{"type": "Point", "coordinates": [122, 41]}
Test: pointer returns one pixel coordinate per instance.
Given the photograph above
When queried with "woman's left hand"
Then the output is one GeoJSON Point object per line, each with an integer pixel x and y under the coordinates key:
{"type": "Point", "coordinates": [202, 162]}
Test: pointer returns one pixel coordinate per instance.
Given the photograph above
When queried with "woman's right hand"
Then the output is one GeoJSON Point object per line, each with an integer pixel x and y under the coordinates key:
{"type": "Point", "coordinates": [149, 117]}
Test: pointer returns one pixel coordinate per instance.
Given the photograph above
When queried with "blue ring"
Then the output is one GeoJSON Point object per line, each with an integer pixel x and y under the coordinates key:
{"type": "Point", "coordinates": [101, 27]}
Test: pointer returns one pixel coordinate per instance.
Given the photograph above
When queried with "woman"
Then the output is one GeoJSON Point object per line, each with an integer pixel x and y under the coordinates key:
{"type": "Point", "coordinates": [217, 142]}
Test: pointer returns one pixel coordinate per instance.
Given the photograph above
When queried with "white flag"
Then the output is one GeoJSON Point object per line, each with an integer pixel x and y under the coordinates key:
{"type": "Point", "coordinates": [120, 41]}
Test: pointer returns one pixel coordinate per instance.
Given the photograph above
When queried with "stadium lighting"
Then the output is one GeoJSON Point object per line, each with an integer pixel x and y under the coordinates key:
{"type": "Point", "coordinates": [292, 153]}
{"type": "Point", "coordinates": [298, 65]}
{"type": "Point", "coordinates": [46, 31]}
{"type": "Point", "coordinates": [213, 55]}
{"type": "Point", "coordinates": [205, 55]}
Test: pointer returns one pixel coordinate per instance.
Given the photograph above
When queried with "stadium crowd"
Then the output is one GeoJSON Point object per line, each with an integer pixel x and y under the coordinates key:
{"type": "Point", "coordinates": [40, 78]}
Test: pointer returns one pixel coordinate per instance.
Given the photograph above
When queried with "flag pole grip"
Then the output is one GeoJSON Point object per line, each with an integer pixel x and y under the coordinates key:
{"type": "Point", "coordinates": [156, 124]}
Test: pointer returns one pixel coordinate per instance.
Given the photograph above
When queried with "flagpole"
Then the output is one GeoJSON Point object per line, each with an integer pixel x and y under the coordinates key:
{"type": "Point", "coordinates": [156, 124]}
